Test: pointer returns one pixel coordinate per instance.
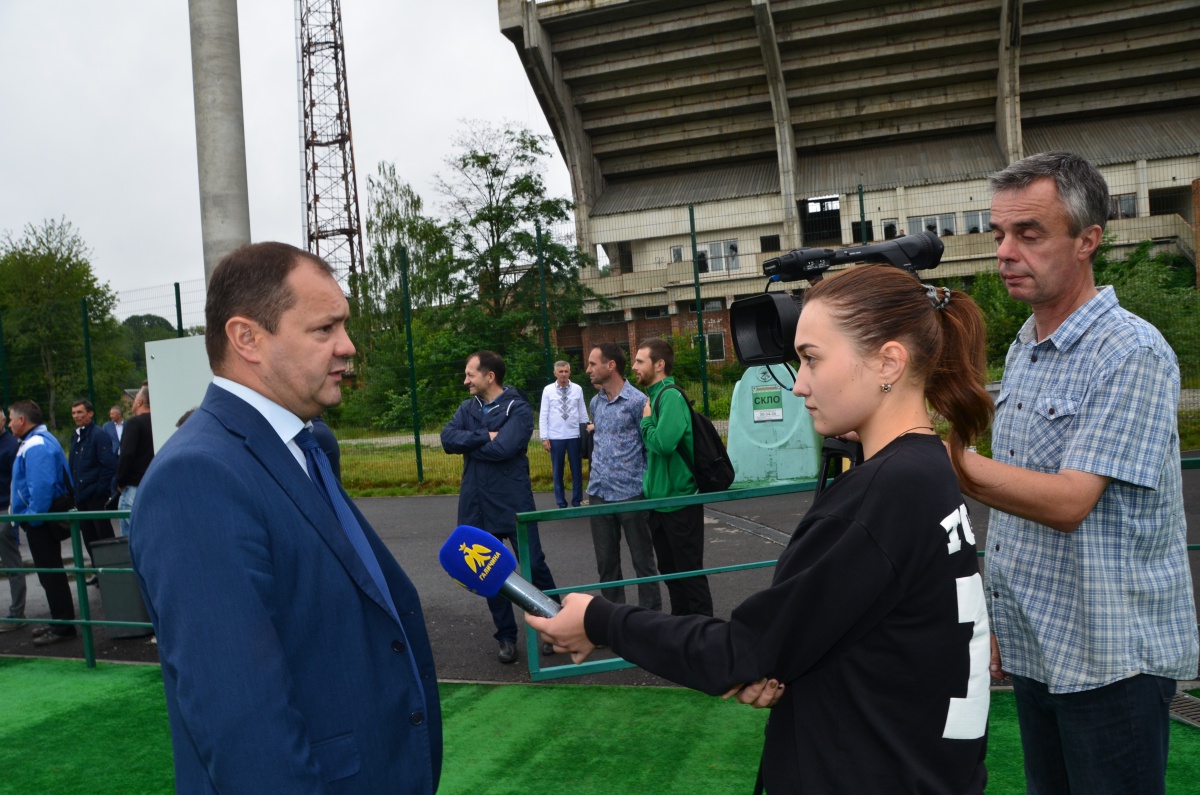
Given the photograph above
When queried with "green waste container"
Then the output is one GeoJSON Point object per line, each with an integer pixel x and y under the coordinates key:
{"type": "Point", "coordinates": [119, 591]}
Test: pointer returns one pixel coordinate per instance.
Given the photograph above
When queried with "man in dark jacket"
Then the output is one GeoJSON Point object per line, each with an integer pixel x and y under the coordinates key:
{"type": "Point", "coordinates": [93, 465]}
{"type": "Point", "coordinates": [492, 429]}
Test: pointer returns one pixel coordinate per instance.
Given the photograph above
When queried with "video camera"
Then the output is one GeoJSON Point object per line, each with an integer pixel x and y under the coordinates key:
{"type": "Point", "coordinates": [764, 326]}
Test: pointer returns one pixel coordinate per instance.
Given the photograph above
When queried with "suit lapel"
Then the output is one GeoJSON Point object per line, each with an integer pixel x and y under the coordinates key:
{"type": "Point", "coordinates": [268, 449]}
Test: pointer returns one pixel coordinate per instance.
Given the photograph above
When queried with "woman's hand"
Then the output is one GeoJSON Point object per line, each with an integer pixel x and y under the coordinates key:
{"type": "Point", "coordinates": [763, 694]}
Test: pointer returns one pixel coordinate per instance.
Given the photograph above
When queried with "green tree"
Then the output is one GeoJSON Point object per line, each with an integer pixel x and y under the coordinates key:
{"type": "Point", "coordinates": [1158, 287]}
{"type": "Point", "coordinates": [45, 275]}
{"type": "Point", "coordinates": [496, 197]}
{"type": "Point", "coordinates": [473, 278]}
{"type": "Point", "coordinates": [1002, 315]}
{"type": "Point", "coordinates": [396, 218]}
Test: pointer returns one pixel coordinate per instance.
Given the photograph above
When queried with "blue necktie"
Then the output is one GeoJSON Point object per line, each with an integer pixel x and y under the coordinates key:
{"type": "Point", "coordinates": [322, 477]}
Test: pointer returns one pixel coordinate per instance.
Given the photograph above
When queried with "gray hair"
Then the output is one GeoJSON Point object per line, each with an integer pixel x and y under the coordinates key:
{"type": "Point", "coordinates": [1081, 188]}
{"type": "Point", "coordinates": [560, 363]}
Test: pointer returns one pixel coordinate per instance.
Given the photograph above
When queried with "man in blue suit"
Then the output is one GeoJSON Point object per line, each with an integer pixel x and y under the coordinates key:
{"type": "Point", "coordinates": [293, 647]}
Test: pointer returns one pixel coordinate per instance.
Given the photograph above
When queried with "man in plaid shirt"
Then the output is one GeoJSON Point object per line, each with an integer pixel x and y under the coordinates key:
{"type": "Point", "coordinates": [1088, 585]}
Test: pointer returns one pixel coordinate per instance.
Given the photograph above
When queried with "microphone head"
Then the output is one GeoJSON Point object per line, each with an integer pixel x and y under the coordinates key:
{"type": "Point", "coordinates": [477, 560]}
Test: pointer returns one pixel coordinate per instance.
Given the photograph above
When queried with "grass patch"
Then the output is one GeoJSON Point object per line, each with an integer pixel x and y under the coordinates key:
{"type": "Point", "coordinates": [391, 470]}
{"type": "Point", "coordinates": [386, 470]}
{"type": "Point", "coordinates": [103, 731]}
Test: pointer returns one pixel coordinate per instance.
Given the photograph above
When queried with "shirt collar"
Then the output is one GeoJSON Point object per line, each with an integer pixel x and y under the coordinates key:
{"type": "Point", "coordinates": [282, 421]}
{"type": "Point", "coordinates": [1076, 324]}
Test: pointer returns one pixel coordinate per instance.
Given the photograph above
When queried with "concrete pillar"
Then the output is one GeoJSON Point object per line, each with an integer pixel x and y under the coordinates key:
{"type": "Point", "coordinates": [519, 23]}
{"type": "Point", "coordinates": [1196, 229]}
{"type": "Point", "coordinates": [220, 133]}
{"type": "Point", "coordinates": [785, 138]}
{"type": "Point", "coordinates": [1143, 191]}
{"type": "Point", "coordinates": [1008, 83]}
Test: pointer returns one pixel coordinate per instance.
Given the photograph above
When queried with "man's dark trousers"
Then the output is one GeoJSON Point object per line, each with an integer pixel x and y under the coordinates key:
{"type": "Point", "coordinates": [679, 545]}
{"type": "Point", "coordinates": [94, 530]}
{"type": "Point", "coordinates": [569, 449]}
{"type": "Point", "coordinates": [46, 550]}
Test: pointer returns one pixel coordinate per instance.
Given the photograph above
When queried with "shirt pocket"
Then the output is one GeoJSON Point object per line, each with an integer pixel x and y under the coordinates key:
{"type": "Point", "coordinates": [1052, 416]}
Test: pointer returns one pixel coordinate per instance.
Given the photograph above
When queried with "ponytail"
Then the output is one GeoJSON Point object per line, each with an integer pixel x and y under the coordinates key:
{"type": "Point", "coordinates": [942, 329]}
{"type": "Point", "coordinates": [954, 386]}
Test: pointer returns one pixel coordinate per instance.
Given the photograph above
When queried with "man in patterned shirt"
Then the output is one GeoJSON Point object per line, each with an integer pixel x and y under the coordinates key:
{"type": "Point", "coordinates": [618, 464]}
{"type": "Point", "coordinates": [1087, 572]}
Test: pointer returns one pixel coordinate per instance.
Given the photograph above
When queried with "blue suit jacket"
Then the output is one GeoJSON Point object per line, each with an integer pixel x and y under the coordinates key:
{"type": "Point", "coordinates": [110, 429]}
{"type": "Point", "coordinates": [284, 670]}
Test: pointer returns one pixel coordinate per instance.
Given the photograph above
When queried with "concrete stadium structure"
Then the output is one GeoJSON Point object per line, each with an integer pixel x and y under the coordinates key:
{"type": "Point", "coordinates": [784, 123]}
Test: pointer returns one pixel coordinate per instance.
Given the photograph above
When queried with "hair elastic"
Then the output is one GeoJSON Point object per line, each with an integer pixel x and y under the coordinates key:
{"type": "Point", "coordinates": [932, 292]}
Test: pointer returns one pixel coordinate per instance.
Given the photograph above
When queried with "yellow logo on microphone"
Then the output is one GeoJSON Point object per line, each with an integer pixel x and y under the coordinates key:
{"type": "Point", "coordinates": [479, 558]}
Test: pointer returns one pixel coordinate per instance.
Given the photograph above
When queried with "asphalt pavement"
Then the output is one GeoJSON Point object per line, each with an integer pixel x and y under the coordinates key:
{"type": "Point", "coordinates": [460, 626]}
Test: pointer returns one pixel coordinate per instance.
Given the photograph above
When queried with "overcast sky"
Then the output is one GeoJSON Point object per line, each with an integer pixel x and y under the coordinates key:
{"type": "Point", "coordinates": [97, 122]}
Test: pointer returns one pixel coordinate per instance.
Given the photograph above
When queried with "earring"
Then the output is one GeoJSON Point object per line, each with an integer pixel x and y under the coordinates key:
{"type": "Point", "coordinates": [885, 388]}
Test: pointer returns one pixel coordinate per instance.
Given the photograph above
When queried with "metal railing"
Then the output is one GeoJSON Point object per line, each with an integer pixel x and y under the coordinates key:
{"type": "Point", "coordinates": [85, 622]}
{"type": "Point", "coordinates": [537, 673]}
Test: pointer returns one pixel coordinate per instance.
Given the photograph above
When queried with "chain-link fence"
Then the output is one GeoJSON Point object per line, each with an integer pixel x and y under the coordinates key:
{"type": "Point", "coordinates": [660, 261]}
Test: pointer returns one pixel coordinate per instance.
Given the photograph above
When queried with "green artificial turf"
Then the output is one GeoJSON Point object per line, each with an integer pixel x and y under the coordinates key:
{"type": "Point", "coordinates": [65, 728]}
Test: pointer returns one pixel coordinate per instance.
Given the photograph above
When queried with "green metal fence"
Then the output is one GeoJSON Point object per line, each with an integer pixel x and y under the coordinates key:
{"type": "Point", "coordinates": [85, 622]}
{"type": "Point", "coordinates": [537, 673]}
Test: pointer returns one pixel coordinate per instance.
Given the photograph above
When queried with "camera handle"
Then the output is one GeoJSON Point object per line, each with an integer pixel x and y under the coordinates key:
{"type": "Point", "coordinates": [833, 452]}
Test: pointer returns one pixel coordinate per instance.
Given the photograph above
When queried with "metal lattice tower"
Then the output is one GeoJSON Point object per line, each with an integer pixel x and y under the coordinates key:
{"type": "Point", "coordinates": [330, 189]}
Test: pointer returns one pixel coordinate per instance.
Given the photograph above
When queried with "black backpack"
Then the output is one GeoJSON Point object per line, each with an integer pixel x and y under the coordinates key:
{"type": "Point", "coordinates": [712, 469]}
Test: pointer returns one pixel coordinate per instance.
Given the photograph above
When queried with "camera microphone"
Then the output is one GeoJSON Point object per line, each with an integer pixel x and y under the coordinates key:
{"type": "Point", "coordinates": [911, 253]}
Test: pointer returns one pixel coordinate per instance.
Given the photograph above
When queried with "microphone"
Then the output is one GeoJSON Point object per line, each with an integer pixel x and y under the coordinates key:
{"type": "Point", "coordinates": [479, 562]}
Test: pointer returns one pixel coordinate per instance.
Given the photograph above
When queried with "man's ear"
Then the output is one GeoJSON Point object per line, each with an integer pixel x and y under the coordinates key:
{"type": "Point", "coordinates": [244, 337]}
{"type": "Point", "coordinates": [893, 361]}
{"type": "Point", "coordinates": [1090, 240]}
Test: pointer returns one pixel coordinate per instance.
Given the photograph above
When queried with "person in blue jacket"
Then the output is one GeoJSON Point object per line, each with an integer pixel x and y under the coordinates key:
{"type": "Point", "coordinates": [40, 476]}
{"type": "Point", "coordinates": [491, 430]}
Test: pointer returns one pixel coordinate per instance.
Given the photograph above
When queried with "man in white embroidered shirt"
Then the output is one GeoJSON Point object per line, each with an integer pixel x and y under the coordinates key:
{"type": "Point", "coordinates": [562, 412]}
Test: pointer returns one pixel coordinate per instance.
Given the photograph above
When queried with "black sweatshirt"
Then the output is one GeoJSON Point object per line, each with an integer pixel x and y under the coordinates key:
{"type": "Point", "coordinates": [137, 450]}
{"type": "Point", "coordinates": [862, 622]}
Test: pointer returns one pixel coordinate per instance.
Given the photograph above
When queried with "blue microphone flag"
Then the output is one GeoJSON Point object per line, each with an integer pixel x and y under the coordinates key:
{"type": "Point", "coordinates": [477, 560]}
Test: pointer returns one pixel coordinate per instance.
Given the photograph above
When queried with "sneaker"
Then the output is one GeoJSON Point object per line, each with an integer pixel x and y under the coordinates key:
{"type": "Point", "coordinates": [52, 637]}
{"type": "Point", "coordinates": [508, 652]}
{"type": "Point", "coordinates": [93, 580]}
{"type": "Point", "coordinates": [6, 627]}
{"type": "Point", "coordinates": [42, 629]}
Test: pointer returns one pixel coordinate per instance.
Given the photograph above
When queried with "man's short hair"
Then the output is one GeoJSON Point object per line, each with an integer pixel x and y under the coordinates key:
{"type": "Point", "coordinates": [87, 405]}
{"type": "Point", "coordinates": [612, 352]}
{"type": "Point", "coordinates": [490, 362]}
{"type": "Point", "coordinates": [118, 409]}
{"type": "Point", "coordinates": [27, 409]}
{"type": "Point", "coordinates": [251, 281]}
{"type": "Point", "coordinates": [561, 363]}
{"type": "Point", "coordinates": [660, 350]}
{"type": "Point", "coordinates": [1081, 187]}
{"type": "Point", "coordinates": [144, 394]}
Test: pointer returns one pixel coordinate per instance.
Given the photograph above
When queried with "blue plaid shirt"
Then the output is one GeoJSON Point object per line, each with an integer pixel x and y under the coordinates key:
{"type": "Point", "coordinates": [618, 455]}
{"type": "Point", "coordinates": [1081, 610]}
